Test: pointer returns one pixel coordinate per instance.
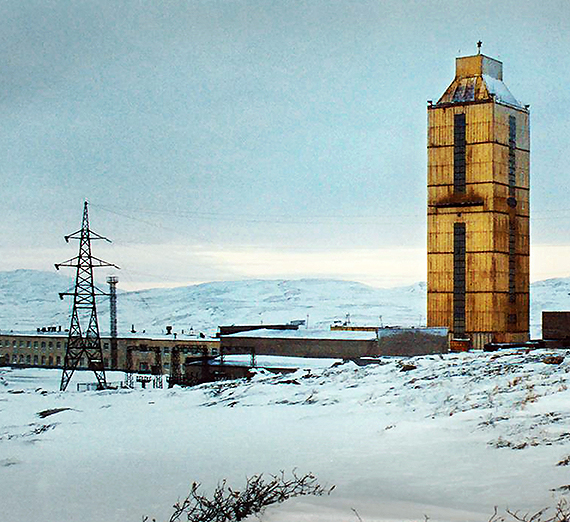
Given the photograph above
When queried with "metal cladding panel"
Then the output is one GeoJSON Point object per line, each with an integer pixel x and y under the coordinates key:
{"type": "Point", "coordinates": [441, 306]}
{"type": "Point", "coordinates": [487, 231]}
{"type": "Point", "coordinates": [441, 281]}
{"type": "Point", "coordinates": [479, 225]}
{"type": "Point", "coordinates": [501, 163]}
{"type": "Point", "coordinates": [476, 65]}
{"type": "Point", "coordinates": [440, 243]}
{"type": "Point", "coordinates": [510, 337]}
{"type": "Point", "coordinates": [486, 162]}
{"type": "Point", "coordinates": [522, 280]}
{"type": "Point", "coordinates": [479, 340]}
{"type": "Point", "coordinates": [476, 132]}
{"type": "Point", "coordinates": [478, 119]}
{"type": "Point", "coordinates": [440, 156]}
{"type": "Point", "coordinates": [501, 136]}
{"type": "Point", "coordinates": [479, 197]}
{"type": "Point", "coordinates": [488, 311]}
{"type": "Point", "coordinates": [481, 238]}
{"type": "Point", "coordinates": [488, 272]}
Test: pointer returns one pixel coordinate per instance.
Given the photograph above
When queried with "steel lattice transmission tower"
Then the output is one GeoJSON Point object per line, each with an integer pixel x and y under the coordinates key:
{"type": "Point", "coordinates": [83, 339]}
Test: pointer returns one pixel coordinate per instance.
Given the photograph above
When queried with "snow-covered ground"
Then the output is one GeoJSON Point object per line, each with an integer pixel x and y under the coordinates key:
{"type": "Point", "coordinates": [450, 439]}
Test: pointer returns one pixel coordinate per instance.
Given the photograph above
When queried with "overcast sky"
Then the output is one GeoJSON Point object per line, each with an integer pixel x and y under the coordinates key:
{"type": "Point", "coordinates": [234, 139]}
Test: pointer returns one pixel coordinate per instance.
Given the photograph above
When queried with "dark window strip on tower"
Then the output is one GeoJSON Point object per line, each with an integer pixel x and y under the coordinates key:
{"type": "Point", "coordinates": [459, 154]}
{"type": "Point", "coordinates": [512, 261]}
{"type": "Point", "coordinates": [512, 156]}
{"type": "Point", "coordinates": [459, 272]}
{"type": "Point", "coordinates": [512, 193]}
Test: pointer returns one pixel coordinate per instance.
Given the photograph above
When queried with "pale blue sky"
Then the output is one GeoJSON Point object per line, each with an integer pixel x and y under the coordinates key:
{"type": "Point", "coordinates": [231, 139]}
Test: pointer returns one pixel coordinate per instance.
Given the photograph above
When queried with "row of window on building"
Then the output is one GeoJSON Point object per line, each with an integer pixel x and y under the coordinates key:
{"type": "Point", "coordinates": [28, 344]}
{"type": "Point", "coordinates": [36, 360]}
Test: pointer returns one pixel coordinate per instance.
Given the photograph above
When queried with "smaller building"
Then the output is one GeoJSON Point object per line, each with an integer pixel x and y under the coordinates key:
{"type": "Point", "coordinates": [301, 343]}
{"type": "Point", "coordinates": [337, 343]}
{"type": "Point", "coordinates": [556, 326]}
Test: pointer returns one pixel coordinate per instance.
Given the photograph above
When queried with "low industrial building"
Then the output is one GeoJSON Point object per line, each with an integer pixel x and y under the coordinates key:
{"type": "Point", "coordinates": [336, 343]}
{"type": "Point", "coordinates": [134, 353]}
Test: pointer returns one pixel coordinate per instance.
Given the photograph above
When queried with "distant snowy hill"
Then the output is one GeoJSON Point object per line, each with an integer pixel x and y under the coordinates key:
{"type": "Point", "coordinates": [29, 299]}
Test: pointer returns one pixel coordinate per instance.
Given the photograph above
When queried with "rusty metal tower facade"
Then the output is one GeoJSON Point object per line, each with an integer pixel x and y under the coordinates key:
{"type": "Point", "coordinates": [84, 340]}
{"type": "Point", "coordinates": [478, 207]}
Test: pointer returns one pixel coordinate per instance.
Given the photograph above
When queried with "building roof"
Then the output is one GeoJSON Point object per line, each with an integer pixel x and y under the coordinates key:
{"type": "Point", "coordinates": [478, 78]}
{"type": "Point", "coordinates": [179, 338]}
{"type": "Point", "coordinates": [342, 335]}
{"type": "Point", "coordinates": [304, 333]}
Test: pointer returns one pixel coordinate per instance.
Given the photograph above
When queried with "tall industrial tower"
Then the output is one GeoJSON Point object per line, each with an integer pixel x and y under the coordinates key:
{"type": "Point", "coordinates": [83, 339]}
{"type": "Point", "coordinates": [112, 281]}
{"type": "Point", "coordinates": [478, 207]}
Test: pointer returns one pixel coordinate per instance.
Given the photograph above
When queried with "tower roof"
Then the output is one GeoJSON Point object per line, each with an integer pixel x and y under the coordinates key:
{"type": "Point", "coordinates": [478, 78]}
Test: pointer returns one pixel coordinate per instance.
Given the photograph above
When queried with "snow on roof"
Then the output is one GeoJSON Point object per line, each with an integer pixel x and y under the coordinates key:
{"type": "Point", "coordinates": [307, 334]}
{"type": "Point", "coordinates": [122, 335]}
{"type": "Point", "coordinates": [478, 88]}
{"type": "Point", "coordinates": [33, 333]}
{"type": "Point", "coordinates": [178, 337]}
{"type": "Point", "coordinates": [440, 331]}
{"type": "Point", "coordinates": [279, 361]}
{"type": "Point", "coordinates": [345, 335]}
{"type": "Point", "coordinates": [500, 91]}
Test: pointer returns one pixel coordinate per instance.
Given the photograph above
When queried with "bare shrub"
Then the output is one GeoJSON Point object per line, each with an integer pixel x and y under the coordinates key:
{"type": "Point", "coordinates": [229, 505]}
{"type": "Point", "coordinates": [561, 514]}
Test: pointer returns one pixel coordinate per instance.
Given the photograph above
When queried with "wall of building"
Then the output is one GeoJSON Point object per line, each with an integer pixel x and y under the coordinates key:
{"type": "Point", "coordinates": [330, 348]}
{"type": "Point", "coordinates": [556, 326]}
{"type": "Point", "coordinates": [47, 350]}
{"type": "Point", "coordinates": [400, 342]}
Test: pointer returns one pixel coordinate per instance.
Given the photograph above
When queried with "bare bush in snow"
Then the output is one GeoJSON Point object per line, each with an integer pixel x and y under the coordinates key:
{"type": "Point", "coordinates": [229, 505]}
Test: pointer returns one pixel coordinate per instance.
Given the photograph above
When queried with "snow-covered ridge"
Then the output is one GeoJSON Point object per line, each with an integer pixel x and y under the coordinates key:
{"type": "Point", "coordinates": [29, 299]}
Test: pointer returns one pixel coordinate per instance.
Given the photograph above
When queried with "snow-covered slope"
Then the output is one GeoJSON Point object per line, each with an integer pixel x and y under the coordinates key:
{"type": "Point", "coordinates": [450, 439]}
{"type": "Point", "coordinates": [29, 299]}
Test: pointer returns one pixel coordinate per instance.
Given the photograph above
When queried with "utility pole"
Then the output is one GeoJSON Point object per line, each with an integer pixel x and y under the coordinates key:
{"type": "Point", "coordinates": [84, 339]}
{"type": "Point", "coordinates": [113, 280]}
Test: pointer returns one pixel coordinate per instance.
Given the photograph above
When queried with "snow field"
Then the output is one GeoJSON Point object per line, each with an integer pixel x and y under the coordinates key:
{"type": "Point", "coordinates": [450, 439]}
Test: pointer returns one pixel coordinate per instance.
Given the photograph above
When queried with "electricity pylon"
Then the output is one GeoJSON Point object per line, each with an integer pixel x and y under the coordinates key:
{"type": "Point", "coordinates": [83, 339]}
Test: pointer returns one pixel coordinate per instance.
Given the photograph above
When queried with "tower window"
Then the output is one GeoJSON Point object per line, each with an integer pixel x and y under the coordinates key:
{"type": "Point", "coordinates": [512, 262]}
{"type": "Point", "coordinates": [459, 270]}
{"type": "Point", "coordinates": [512, 156]}
{"type": "Point", "coordinates": [459, 154]}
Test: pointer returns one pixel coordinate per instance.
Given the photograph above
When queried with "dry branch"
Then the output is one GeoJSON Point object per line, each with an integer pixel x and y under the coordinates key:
{"type": "Point", "coordinates": [229, 505]}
